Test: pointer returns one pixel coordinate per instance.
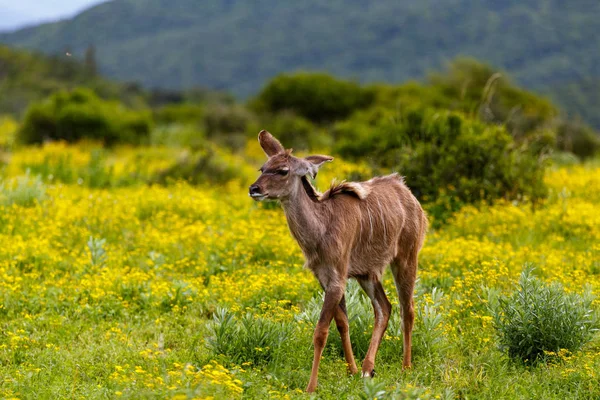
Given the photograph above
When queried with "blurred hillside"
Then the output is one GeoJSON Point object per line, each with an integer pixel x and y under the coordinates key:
{"type": "Point", "coordinates": [237, 46]}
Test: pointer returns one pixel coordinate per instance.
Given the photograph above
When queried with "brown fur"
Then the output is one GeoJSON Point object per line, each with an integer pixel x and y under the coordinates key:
{"type": "Point", "coordinates": [353, 230]}
{"type": "Point", "coordinates": [359, 190]}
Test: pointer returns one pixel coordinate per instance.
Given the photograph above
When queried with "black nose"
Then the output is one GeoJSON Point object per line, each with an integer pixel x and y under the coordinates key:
{"type": "Point", "coordinates": [254, 189]}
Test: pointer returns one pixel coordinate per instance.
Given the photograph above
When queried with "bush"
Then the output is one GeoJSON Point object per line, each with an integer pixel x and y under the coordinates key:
{"type": "Point", "coordinates": [448, 160]}
{"type": "Point", "coordinates": [317, 97]}
{"type": "Point", "coordinates": [578, 139]}
{"type": "Point", "coordinates": [179, 113]}
{"type": "Point", "coordinates": [207, 165]}
{"type": "Point", "coordinates": [224, 119]}
{"type": "Point", "coordinates": [80, 114]}
{"type": "Point", "coordinates": [479, 89]}
{"type": "Point", "coordinates": [539, 318]}
{"type": "Point", "coordinates": [227, 124]}
{"type": "Point", "coordinates": [25, 191]}
{"type": "Point", "coordinates": [249, 339]}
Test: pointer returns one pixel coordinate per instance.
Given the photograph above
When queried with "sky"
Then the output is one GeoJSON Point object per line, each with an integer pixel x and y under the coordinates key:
{"type": "Point", "coordinates": [18, 13]}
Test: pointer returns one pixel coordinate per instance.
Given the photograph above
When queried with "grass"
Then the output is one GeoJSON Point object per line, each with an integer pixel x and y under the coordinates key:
{"type": "Point", "coordinates": [135, 291]}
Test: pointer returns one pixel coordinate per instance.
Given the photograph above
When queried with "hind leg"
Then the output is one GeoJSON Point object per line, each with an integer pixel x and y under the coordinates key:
{"type": "Point", "coordinates": [383, 309]}
{"type": "Point", "coordinates": [405, 274]}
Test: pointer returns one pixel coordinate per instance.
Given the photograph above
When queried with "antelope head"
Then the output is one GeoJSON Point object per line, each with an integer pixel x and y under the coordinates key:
{"type": "Point", "coordinates": [282, 172]}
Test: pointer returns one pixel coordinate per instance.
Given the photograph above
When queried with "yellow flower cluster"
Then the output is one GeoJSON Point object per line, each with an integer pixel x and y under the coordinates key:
{"type": "Point", "coordinates": [8, 128]}
{"type": "Point", "coordinates": [210, 380]}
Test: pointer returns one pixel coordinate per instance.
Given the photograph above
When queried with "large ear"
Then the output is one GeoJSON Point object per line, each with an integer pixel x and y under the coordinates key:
{"type": "Point", "coordinates": [311, 164]}
{"type": "Point", "coordinates": [270, 145]}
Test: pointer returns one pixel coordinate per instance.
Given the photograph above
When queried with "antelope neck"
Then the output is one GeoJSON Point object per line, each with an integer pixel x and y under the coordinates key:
{"type": "Point", "coordinates": [304, 216]}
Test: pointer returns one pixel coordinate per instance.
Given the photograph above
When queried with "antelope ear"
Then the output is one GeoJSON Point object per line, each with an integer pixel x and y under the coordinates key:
{"type": "Point", "coordinates": [311, 164]}
{"type": "Point", "coordinates": [269, 144]}
{"type": "Point", "coordinates": [318, 160]}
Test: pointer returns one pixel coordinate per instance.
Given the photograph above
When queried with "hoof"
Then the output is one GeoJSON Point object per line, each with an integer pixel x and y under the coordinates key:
{"type": "Point", "coordinates": [368, 374]}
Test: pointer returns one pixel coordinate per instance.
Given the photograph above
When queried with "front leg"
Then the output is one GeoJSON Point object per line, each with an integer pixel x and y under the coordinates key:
{"type": "Point", "coordinates": [333, 296]}
{"type": "Point", "coordinates": [341, 320]}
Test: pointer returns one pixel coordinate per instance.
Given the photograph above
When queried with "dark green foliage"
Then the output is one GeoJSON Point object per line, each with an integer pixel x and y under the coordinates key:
{"type": "Point", "coordinates": [226, 120]}
{"type": "Point", "coordinates": [80, 114]}
{"type": "Point", "coordinates": [479, 91]}
{"type": "Point", "coordinates": [578, 139]}
{"type": "Point", "coordinates": [317, 97]}
{"type": "Point", "coordinates": [179, 113]}
{"type": "Point", "coordinates": [227, 124]}
{"type": "Point", "coordinates": [447, 159]}
{"type": "Point", "coordinates": [538, 318]}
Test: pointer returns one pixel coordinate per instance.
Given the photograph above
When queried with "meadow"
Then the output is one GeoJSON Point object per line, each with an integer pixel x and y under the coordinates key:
{"type": "Point", "coordinates": [175, 291]}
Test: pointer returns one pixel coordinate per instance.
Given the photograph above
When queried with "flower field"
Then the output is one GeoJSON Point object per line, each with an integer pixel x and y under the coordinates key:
{"type": "Point", "coordinates": [146, 291]}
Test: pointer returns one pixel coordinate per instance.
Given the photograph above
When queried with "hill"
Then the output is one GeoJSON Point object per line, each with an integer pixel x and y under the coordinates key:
{"type": "Point", "coordinates": [232, 45]}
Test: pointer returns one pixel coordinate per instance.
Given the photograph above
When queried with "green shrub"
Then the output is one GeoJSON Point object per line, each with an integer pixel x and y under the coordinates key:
{"type": "Point", "coordinates": [180, 114]}
{"type": "Point", "coordinates": [227, 125]}
{"type": "Point", "coordinates": [24, 191]}
{"type": "Point", "coordinates": [429, 338]}
{"type": "Point", "coordinates": [480, 90]}
{"type": "Point", "coordinates": [538, 318]}
{"type": "Point", "coordinates": [224, 119]}
{"type": "Point", "coordinates": [564, 158]}
{"type": "Point", "coordinates": [97, 251]}
{"type": "Point", "coordinates": [448, 159]}
{"type": "Point", "coordinates": [315, 96]}
{"type": "Point", "coordinates": [578, 139]}
{"type": "Point", "coordinates": [80, 114]}
{"type": "Point", "coordinates": [375, 389]}
{"type": "Point", "coordinates": [248, 339]}
{"type": "Point", "coordinates": [206, 165]}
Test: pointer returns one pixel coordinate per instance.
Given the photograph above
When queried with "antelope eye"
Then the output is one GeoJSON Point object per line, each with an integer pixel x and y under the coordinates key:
{"type": "Point", "coordinates": [283, 172]}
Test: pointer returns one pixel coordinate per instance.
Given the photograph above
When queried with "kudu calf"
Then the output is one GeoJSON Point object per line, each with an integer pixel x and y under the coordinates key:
{"type": "Point", "coordinates": [353, 230]}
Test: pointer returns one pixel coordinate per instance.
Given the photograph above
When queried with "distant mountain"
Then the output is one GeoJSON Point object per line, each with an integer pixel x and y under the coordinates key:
{"type": "Point", "coordinates": [237, 45]}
